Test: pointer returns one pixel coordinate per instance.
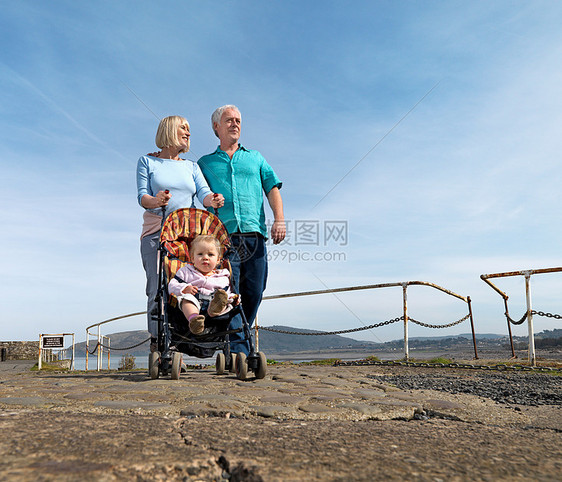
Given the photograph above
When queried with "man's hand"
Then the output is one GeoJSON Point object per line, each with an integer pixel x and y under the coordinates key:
{"type": "Point", "coordinates": [190, 290]}
{"type": "Point", "coordinates": [278, 231]}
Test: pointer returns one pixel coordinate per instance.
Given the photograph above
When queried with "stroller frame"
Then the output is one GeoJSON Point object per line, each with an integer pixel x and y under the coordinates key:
{"type": "Point", "coordinates": [171, 345]}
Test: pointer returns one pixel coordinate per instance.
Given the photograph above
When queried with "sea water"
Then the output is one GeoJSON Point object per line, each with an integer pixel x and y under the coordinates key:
{"type": "Point", "coordinates": [140, 362]}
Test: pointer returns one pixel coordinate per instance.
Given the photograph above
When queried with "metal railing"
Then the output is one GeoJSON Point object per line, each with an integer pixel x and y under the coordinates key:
{"type": "Point", "coordinates": [404, 317]}
{"type": "Point", "coordinates": [100, 345]}
{"type": "Point", "coordinates": [529, 313]}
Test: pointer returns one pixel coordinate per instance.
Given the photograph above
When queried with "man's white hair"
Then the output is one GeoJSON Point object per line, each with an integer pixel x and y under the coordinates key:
{"type": "Point", "coordinates": [217, 115]}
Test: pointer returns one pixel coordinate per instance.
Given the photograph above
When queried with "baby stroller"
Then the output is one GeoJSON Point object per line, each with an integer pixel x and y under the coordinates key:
{"type": "Point", "coordinates": [174, 337]}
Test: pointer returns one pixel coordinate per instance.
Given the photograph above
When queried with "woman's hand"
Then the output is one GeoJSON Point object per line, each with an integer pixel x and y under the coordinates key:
{"type": "Point", "coordinates": [153, 202]}
{"type": "Point", "coordinates": [214, 200]}
{"type": "Point", "coordinates": [162, 198]}
{"type": "Point", "coordinates": [190, 290]}
{"type": "Point", "coordinates": [217, 201]}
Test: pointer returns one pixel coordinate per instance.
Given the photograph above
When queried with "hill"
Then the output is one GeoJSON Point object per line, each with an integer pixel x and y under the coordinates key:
{"type": "Point", "coordinates": [118, 341]}
{"type": "Point", "coordinates": [268, 342]}
{"type": "Point", "coordinates": [281, 343]}
{"type": "Point", "coordinates": [479, 336]}
{"type": "Point", "coordinates": [556, 333]}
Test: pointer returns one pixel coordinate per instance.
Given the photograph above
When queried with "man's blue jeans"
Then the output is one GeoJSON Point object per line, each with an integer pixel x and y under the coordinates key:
{"type": "Point", "coordinates": [249, 275]}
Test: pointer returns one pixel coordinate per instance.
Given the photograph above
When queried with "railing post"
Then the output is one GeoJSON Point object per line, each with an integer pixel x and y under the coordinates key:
{"type": "Point", "coordinates": [405, 296]}
{"type": "Point", "coordinates": [532, 359]}
{"type": "Point", "coordinates": [72, 365]}
{"type": "Point", "coordinates": [40, 352]}
{"type": "Point", "coordinates": [99, 348]}
{"type": "Point", "coordinates": [513, 355]}
{"type": "Point", "coordinates": [472, 327]}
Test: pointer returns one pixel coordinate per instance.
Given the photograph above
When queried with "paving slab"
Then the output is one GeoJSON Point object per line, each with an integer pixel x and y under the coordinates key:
{"type": "Point", "coordinates": [131, 404]}
{"type": "Point", "coordinates": [279, 411]}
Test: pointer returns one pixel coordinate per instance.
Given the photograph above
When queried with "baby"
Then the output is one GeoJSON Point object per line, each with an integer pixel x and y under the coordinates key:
{"type": "Point", "coordinates": [202, 279]}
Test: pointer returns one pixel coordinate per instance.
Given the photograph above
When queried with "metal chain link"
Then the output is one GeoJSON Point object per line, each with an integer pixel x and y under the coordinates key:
{"type": "Point", "coordinates": [94, 350]}
{"type": "Point", "coordinates": [117, 349]}
{"type": "Point", "coordinates": [427, 325]}
{"type": "Point", "coordinates": [548, 315]}
{"type": "Point", "coordinates": [518, 322]}
{"type": "Point", "coordinates": [353, 330]}
{"type": "Point", "coordinates": [376, 325]}
{"type": "Point", "coordinates": [533, 312]}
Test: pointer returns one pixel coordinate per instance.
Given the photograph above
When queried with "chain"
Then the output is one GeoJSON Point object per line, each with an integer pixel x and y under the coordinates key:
{"type": "Point", "coordinates": [117, 349]}
{"type": "Point", "coordinates": [514, 322]}
{"type": "Point", "coordinates": [94, 350]}
{"type": "Point", "coordinates": [444, 365]}
{"type": "Point", "coordinates": [376, 325]}
{"type": "Point", "coordinates": [352, 330]}
{"type": "Point", "coordinates": [439, 326]}
{"type": "Point", "coordinates": [548, 315]}
{"type": "Point", "coordinates": [533, 312]}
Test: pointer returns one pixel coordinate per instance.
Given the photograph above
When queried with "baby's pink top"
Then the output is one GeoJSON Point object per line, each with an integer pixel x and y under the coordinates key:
{"type": "Point", "coordinates": [207, 284]}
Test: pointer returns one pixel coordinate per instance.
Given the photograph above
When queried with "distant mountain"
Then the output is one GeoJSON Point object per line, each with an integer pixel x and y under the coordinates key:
{"type": "Point", "coordinates": [119, 341]}
{"type": "Point", "coordinates": [268, 342]}
{"type": "Point", "coordinates": [479, 336]}
{"type": "Point", "coordinates": [556, 333]}
{"type": "Point", "coordinates": [283, 343]}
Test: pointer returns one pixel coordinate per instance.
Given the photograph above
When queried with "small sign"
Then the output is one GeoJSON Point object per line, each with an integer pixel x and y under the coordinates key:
{"type": "Point", "coordinates": [53, 342]}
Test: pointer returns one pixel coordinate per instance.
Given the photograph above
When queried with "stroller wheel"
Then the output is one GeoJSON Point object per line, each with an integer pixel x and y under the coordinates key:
{"type": "Point", "coordinates": [176, 365]}
{"type": "Point", "coordinates": [241, 366]}
{"type": "Point", "coordinates": [221, 363]}
{"type": "Point", "coordinates": [262, 365]}
{"type": "Point", "coordinates": [232, 368]}
{"type": "Point", "coordinates": [153, 362]}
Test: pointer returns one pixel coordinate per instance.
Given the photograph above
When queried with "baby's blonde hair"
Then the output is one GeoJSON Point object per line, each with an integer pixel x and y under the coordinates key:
{"type": "Point", "coordinates": [205, 239]}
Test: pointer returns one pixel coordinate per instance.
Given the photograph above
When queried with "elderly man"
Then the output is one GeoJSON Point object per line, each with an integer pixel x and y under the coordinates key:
{"type": "Point", "coordinates": [242, 176]}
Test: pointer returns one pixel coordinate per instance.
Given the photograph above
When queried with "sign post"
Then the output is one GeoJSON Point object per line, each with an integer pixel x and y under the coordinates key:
{"type": "Point", "coordinates": [49, 341]}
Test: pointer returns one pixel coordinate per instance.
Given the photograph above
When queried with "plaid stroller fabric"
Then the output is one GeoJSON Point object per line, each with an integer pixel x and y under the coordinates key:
{"type": "Point", "coordinates": [180, 228]}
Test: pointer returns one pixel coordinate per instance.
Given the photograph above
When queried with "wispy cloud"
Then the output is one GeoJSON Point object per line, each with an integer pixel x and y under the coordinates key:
{"type": "Point", "coordinates": [466, 183]}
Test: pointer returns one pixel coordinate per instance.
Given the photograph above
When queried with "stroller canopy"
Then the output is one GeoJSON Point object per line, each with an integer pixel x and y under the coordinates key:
{"type": "Point", "coordinates": [181, 227]}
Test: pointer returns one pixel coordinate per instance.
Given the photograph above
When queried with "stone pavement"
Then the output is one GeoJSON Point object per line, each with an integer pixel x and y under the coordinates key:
{"type": "Point", "coordinates": [124, 425]}
{"type": "Point", "coordinates": [16, 366]}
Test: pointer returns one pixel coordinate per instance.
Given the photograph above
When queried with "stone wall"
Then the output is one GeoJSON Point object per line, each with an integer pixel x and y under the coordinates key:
{"type": "Point", "coordinates": [19, 350]}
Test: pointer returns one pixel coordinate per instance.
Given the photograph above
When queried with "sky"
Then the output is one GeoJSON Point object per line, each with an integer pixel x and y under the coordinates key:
{"type": "Point", "coordinates": [416, 141]}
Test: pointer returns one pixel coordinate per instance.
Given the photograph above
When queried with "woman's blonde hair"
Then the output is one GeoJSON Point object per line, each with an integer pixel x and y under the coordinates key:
{"type": "Point", "coordinates": [167, 133]}
{"type": "Point", "coordinates": [206, 239]}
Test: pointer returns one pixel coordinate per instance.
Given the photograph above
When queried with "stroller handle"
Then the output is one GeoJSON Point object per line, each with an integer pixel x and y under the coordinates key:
{"type": "Point", "coordinates": [167, 191]}
{"type": "Point", "coordinates": [216, 210]}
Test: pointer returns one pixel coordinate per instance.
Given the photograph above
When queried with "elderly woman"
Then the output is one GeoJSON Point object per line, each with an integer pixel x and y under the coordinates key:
{"type": "Point", "coordinates": [164, 184]}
